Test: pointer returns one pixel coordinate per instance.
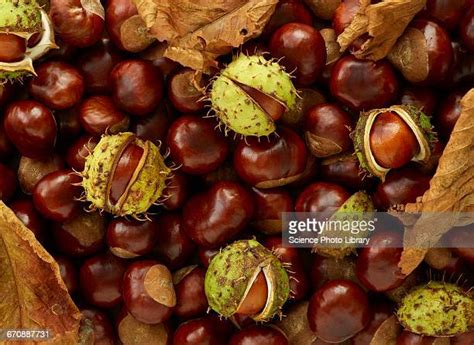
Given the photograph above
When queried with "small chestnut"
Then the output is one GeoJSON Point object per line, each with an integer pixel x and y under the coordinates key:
{"type": "Point", "coordinates": [13, 47]}
{"type": "Point", "coordinates": [131, 238]}
{"type": "Point", "coordinates": [183, 93]}
{"type": "Point", "coordinates": [68, 272]}
{"type": "Point", "coordinates": [191, 300]}
{"type": "Point", "coordinates": [25, 210]}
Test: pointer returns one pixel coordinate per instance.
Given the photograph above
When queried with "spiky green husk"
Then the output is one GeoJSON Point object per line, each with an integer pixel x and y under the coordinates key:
{"type": "Point", "coordinates": [357, 208]}
{"type": "Point", "coordinates": [20, 17]}
{"type": "Point", "coordinates": [437, 309]}
{"type": "Point", "coordinates": [236, 109]}
{"type": "Point", "coordinates": [232, 272]}
{"type": "Point", "coordinates": [415, 119]}
{"type": "Point", "coordinates": [146, 187]}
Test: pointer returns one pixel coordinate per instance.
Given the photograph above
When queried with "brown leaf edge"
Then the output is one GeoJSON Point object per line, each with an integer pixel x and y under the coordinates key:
{"type": "Point", "coordinates": [35, 294]}
{"type": "Point", "coordinates": [387, 332]}
{"type": "Point", "coordinates": [451, 191]}
{"type": "Point", "coordinates": [197, 35]}
{"type": "Point", "coordinates": [384, 22]}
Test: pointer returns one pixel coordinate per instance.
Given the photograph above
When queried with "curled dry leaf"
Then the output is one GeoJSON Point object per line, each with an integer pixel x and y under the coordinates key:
{"type": "Point", "coordinates": [33, 301]}
{"type": "Point", "coordinates": [321, 147]}
{"type": "Point", "coordinates": [296, 327]}
{"type": "Point", "coordinates": [384, 22]}
{"type": "Point", "coordinates": [133, 332]}
{"type": "Point", "coordinates": [159, 285]}
{"type": "Point", "coordinates": [387, 332]}
{"type": "Point", "coordinates": [198, 31]}
{"type": "Point", "coordinates": [134, 34]}
{"type": "Point", "coordinates": [323, 9]}
{"type": "Point", "coordinates": [95, 7]}
{"type": "Point", "coordinates": [450, 194]}
{"type": "Point", "coordinates": [333, 50]}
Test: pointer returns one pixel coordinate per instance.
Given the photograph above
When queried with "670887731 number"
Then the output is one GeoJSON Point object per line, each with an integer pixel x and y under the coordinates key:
{"type": "Point", "coordinates": [24, 334]}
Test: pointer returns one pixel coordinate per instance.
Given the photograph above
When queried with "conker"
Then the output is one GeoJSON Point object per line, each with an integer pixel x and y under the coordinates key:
{"type": "Point", "coordinates": [321, 197]}
{"type": "Point", "coordinates": [25, 210]}
{"type": "Point", "coordinates": [183, 93]}
{"type": "Point", "coordinates": [259, 335]}
{"type": "Point", "coordinates": [68, 272]}
{"type": "Point", "coordinates": [191, 300]}
{"type": "Point", "coordinates": [13, 47]}
{"type": "Point", "coordinates": [131, 238]}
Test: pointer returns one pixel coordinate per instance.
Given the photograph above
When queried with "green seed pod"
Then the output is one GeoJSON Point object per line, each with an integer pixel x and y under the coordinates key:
{"type": "Point", "coordinates": [25, 18]}
{"type": "Point", "coordinates": [437, 309]}
{"type": "Point", "coordinates": [147, 179]}
{"type": "Point", "coordinates": [232, 272]}
{"type": "Point", "coordinates": [418, 122]}
{"type": "Point", "coordinates": [357, 208]}
{"type": "Point", "coordinates": [246, 89]}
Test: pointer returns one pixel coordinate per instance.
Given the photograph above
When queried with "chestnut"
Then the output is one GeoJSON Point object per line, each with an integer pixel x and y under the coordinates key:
{"type": "Point", "coordinates": [131, 238]}
{"type": "Point", "coordinates": [254, 159]}
{"type": "Point", "coordinates": [154, 127]}
{"type": "Point", "coordinates": [8, 182]}
{"type": "Point", "coordinates": [31, 127]}
{"type": "Point", "coordinates": [463, 339]}
{"type": "Point", "coordinates": [101, 325]}
{"type": "Point", "coordinates": [466, 30]}
{"type": "Point", "coordinates": [321, 197]}
{"type": "Point", "coordinates": [77, 24]}
{"type": "Point", "coordinates": [259, 335]}
{"type": "Point", "coordinates": [77, 153]}
{"type": "Point", "coordinates": [183, 93]}
{"type": "Point", "coordinates": [13, 47]}
{"type": "Point", "coordinates": [287, 11]}
{"type": "Point", "coordinates": [174, 247]}
{"type": "Point", "coordinates": [99, 115]}
{"type": "Point", "coordinates": [82, 235]}
{"type": "Point", "coordinates": [422, 98]}
{"type": "Point", "coordinates": [137, 86]}
{"type": "Point", "coordinates": [448, 13]}
{"type": "Point", "coordinates": [176, 191]}
{"type": "Point", "coordinates": [117, 11]}
{"type": "Point", "coordinates": [401, 186]}
{"type": "Point", "coordinates": [459, 239]}
{"type": "Point", "coordinates": [217, 215]}
{"type": "Point", "coordinates": [100, 280]}
{"type": "Point", "coordinates": [195, 145]}
{"type": "Point", "coordinates": [269, 203]}
{"type": "Point", "coordinates": [344, 15]}
{"type": "Point", "coordinates": [304, 50]}
{"type": "Point", "coordinates": [294, 118]}
{"type": "Point", "coordinates": [409, 338]}
{"type": "Point", "coordinates": [69, 126]}
{"type": "Point", "coordinates": [338, 310]}
{"type": "Point", "coordinates": [198, 332]}
{"type": "Point", "coordinates": [381, 311]}
{"type": "Point", "coordinates": [363, 84]}
{"type": "Point", "coordinates": [206, 255]}
{"type": "Point", "coordinates": [448, 113]}
{"type": "Point", "coordinates": [31, 171]}
{"type": "Point", "coordinates": [191, 300]}
{"type": "Point", "coordinates": [58, 85]}
{"type": "Point", "coordinates": [55, 195]}
{"type": "Point", "coordinates": [344, 170]}
{"type": "Point", "coordinates": [25, 210]}
{"type": "Point", "coordinates": [141, 285]}
{"type": "Point", "coordinates": [327, 130]}
{"type": "Point", "coordinates": [68, 272]}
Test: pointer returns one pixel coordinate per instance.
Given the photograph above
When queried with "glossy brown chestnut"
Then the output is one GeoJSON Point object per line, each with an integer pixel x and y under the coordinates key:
{"type": "Point", "coordinates": [100, 279]}
{"type": "Point", "coordinates": [392, 141]}
{"type": "Point", "coordinates": [344, 170]}
{"type": "Point", "coordinates": [68, 272]}
{"type": "Point", "coordinates": [31, 171]}
{"type": "Point", "coordinates": [269, 204]}
{"type": "Point", "coordinates": [137, 86]}
{"type": "Point", "coordinates": [344, 14]}
{"type": "Point", "coordinates": [327, 129]}
{"type": "Point", "coordinates": [421, 98]}
{"type": "Point", "coordinates": [466, 30]}
{"type": "Point", "coordinates": [377, 264]}
{"type": "Point", "coordinates": [381, 311]}
{"type": "Point", "coordinates": [195, 145]}
{"type": "Point", "coordinates": [8, 182]}
{"type": "Point", "coordinates": [259, 335]}
{"type": "Point", "coordinates": [448, 113]}
{"type": "Point", "coordinates": [400, 187]}
{"type": "Point", "coordinates": [82, 235]}
{"type": "Point", "coordinates": [176, 191]}
{"type": "Point", "coordinates": [99, 115]}
{"type": "Point", "coordinates": [69, 127]}
{"type": "Point", "coordinates": [256, 298]}
{"type": "Point", "coordinates": [154, 127]}
{"type": "Point", "coordinates": [206, 255]}
{"type": "Point", "coordinates": [77, 153]}
{"type": "Point", "coordinates": [448, 13]}
{"type": "Point", "coordinates": [137, 300]}
{"type": "Point", "coordinates": [408, 338]}
{"type": "Point", "coordinates": [287, 11]}
{"type": "Point", "coordinates": [58, 85]}
{"type": "Point", "coordinates": [321, 197]}
{"type": "Point", "coordinates": [191, 300]}
{"type": "Point", "coordinates": [217, 215]}
{"type": "Point", "coordinates": [183, 93]}
{"type": "Point", "coordinates": [101, 325]}
{"type": "Point", "coordinates": [363, 84]}
{"type": "Point", "coordinates": [174, 247]}
{"type": "Point", "coordinates": [25, 210]}
{"type": "Point", "coordinates": [338, 310]}
{"type": "Point", "coordinates": [13, 47]}
{"type": "Point", "coordinates": [131, 238]}
{"type": "Point", "coordinates": [96, 63]}
{"type": "Point", "coordinates": [55, 195]}
{"type": "Point", "coordinates": [254, 159]}
{"type": "Point", "coordinates": [463, 339]}
{"type": "Point", "coordinates": [198, 332]}
{"type": "Point", "coordinates": [31, 127]}
{"type": "Point", "coordinates": [117, 12]}
{"type": "Point", "coordinates": [304, 50]}
{"type": "Point", "coordinates": [76, 24]}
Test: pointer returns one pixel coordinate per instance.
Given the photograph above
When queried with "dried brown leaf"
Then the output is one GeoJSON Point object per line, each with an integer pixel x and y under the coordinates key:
{"type": "Point", "coordinates": [321, 147]}
{"type": "Point", "coordinates": [387, 332]}
{"type": "Point", "coordinates": [451, 191]}
{"type": "Point", "coordinates": [333, 50]}
{"type": "Point", "coordinates": [198, 31]}
{"type": "Point", "coordinates": [384, 22]}
{"type": "Point", "coordinates": [159, 285]}
{"type": "Point", "coordinates": [34, 295]}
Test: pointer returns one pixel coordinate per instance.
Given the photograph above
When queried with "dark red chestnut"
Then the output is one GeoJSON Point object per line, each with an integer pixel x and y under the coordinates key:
{"type": "Point", "coordinates": [31, 127]}
{"type": "Point", "coordinates": [446, 12]}
{"type": "Point", "coordinates": [99, 115]}
{"type": "Point", "coordinates": [137, 86]}
{"type": "Point", "coordinates": [363, 84]}
{"type": "Point", "coordinates": [131, 238]}
{"type": "Point", "coordinates": [55, 195]}
{"type": "Point", "coordinates": [100, 279]}
{"type": "Point", "coordinates": [303, 49]}
{"type": "Point", "coordinates": [154, 127]}
{"type": "Point", "coordinates": [191, 300]}
{"type": "Point", "coordinates": [254, 159]}
{"type": "Point", "coordinates": [138, 297]}
{"type": "Point", "coordinates": [327, 129]}
{"type": "Point", "coordinates": [401, 187]}
{"type": "Point", "coordinates": [198, 332]}
{"type": "Point", "coordinates": [195, 145]}
{"type": "Point", "coordinates": [448, 113]}
{"type": "Point", "coordinates": [421, 98]}
{"type": "Point", "coordinates": [77, 24]}
{"type": "Point", "coordinates": [68, 273]}
{"type": "Point", "coordinates": [206, 255]}
{"type": "Point", "coordinates": [217, 215]}
{"type": "Point", "coordinates": [117, 12]}
{"type": "Point", "coordinates": [344, 170]}
{"type": "Point", "coordinates": [381, 311]}
{"type": "Point", "coordinates": [338, 310]}
{"type": "Point", "coordinates": [8, 182]}
{"type": "Point", "coordinates": [25, 210]}
{"type": "Point", "coordinates": [77, 153]}
{"type": "Point", "coordinates": [466, 30]}
{"type": "Point", "coordinates": [183, 93]}
{"type": "Point", "coordinates": [269, 204]}
{"type": "Point", "coordinates": [69, 127]}
{"type": "Point", "coordinates": [463, 339]}
{"type": "Point", "coordinates": [377, 264]}
{"type": "Point", "coordinates": [344, 15]}
{"type": "Point", "coordinates": [259, 335]}
{"type": "Point", "coordinates": [321, 197]}
{"type": "Point", "coordinates": [155, 54]}
{"type": "Point", "coordinates": [287, 11]}
{"type": "Point", "coordinates": [408, 338]}
{"type": "Point", "coordinates": [101, 325]}
{"type": "Point", "coordinates": [57, 84]}
{"type": "Point", "coordinates": [13, 47]}
{"type": "Point", "coordinates": [176, 191]}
